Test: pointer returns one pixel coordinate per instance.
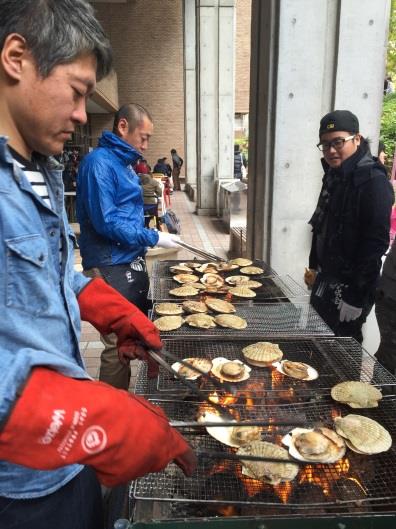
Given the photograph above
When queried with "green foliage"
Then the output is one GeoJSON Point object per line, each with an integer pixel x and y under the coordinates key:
{"type": "Point", "coordinates": [243, 145]}
{"type": "Point", "coordinates": [388, 123]}
{"type": "Point", "coordinates": [391, 54]}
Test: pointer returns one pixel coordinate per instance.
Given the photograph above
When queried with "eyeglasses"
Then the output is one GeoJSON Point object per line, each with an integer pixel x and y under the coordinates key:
{"type": "Point", "coordinates": [337, 143]}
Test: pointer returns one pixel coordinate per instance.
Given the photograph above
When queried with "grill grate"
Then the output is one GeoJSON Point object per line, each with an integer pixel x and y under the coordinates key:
{"type": "Point", "coordinates": [336, 360]}
{"type": "Point", "coordinates": [162, 268]}
{"type": "Point", "coordinates": [277, 287]}
{"type": "Point", "coordinates": [355, 480]}
{"type": "Point", "coordinates": [270, 320]}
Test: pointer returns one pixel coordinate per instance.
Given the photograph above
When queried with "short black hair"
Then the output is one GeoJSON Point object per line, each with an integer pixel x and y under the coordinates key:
{"type": "Point", "coordinates": [134, 115]}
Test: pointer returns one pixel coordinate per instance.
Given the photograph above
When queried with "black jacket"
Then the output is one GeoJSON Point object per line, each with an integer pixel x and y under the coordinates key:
{"type": "Point", "coordinates": [352, 235]}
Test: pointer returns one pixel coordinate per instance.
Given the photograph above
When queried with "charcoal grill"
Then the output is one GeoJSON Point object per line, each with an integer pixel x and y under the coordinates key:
{"type": "Point", "coordinates": [336, 360]}
{"type": "Point", "coordinates": [162, 268]}
{"type": "Point", "coordinates": [265, 319]}
{"type": "Point", "coordinates": [273, 288]}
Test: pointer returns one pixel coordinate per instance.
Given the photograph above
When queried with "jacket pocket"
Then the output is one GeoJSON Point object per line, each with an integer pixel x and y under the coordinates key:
{"type": "Point", "coordinates": [28, 274]}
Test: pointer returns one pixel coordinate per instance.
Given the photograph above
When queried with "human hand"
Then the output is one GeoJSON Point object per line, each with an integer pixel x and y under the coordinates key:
{"type": "Point", "coordinates": [348, 312]}
{"type": "Point", "coordinates": [167, 240]}
{"type": "Point", "coordinates": [309, 277]}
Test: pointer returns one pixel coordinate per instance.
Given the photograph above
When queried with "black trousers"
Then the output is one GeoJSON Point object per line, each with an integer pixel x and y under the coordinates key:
{"type": "Point", "coordinates": [76, 505]}
{"type": "Point", "coordinates": [325, 298]}
{"type": "Point", "coordinates": [385, 311]}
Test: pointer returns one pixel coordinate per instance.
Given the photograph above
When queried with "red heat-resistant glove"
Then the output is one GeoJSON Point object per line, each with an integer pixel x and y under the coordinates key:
{"type": "Point", "coordinates": [58, 421]}
{"type": "Point", "coordinates": [109, 311]}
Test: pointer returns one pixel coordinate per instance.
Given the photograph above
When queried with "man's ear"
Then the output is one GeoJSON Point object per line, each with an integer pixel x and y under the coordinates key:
{"type": "Point", "coordinates": [13, 54]}
{"type": "Point", "coordinates": [123, 127]}
{"type": "Point", "coordinates": [358, 139]}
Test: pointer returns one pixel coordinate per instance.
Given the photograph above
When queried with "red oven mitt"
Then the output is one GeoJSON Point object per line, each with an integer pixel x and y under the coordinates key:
{"type": "Point", "coordinates": [58, 421]}
{"type": "Point", "coordinates": [109, 311]}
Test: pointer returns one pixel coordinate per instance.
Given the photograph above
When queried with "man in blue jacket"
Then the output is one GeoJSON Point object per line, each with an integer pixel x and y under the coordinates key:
{"type": "Point", "coordinates": [60, 431]}
{"type": "Point", "coordinates": [114, 239]}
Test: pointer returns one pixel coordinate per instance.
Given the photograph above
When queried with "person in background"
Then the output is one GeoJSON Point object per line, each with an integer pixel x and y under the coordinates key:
{"type": "Point", "coordinates": [152, 191]}
{"type": "Point", "coordinates": [385, 311]}
{"type": "Point", "coordinates": [161, 167]}
{"type": "Point", "coordinates": [177, 162]}
{"type": "Point", "coordinates": [114, 240]}
{"type": "Point", "coordinates": [142, 167]}
{"type": "Point", "coordinates": [60, 431]}
{"type": "Point", "coordinates": [240, 163]}
{"type": "Point", "coordinates": [350, 226]}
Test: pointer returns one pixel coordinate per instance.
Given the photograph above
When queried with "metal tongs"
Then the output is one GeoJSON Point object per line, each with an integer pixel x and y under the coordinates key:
{"type": "Point", "coordinates": [221, 386]}
{"type": "Point", "coordinates": [199, 252]}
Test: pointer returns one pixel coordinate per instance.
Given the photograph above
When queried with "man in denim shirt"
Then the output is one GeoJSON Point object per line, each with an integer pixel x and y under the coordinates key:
{"type": "Point", "coordinates": [54, 420]}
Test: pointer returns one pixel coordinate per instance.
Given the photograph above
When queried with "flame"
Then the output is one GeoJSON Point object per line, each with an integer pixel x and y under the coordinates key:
{"type": "Point", "coordinates": [335, 413]}
{"type": "Point", "coordinates": [227, 510]}
{"type": "Point", "coordinates": [283, 491]}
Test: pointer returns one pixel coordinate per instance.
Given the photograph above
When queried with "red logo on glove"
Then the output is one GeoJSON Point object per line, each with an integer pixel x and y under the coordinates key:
{"type": "Point", "coordinates": [94, 440]}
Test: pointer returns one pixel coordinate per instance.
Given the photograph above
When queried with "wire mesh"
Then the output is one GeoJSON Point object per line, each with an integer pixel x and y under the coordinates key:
{"type": "Point", "coordinates": [265, 319]}
{"type": "Point", "coordinates": [273, 288]}
{"type": "Point", "coordinates": [335, 359]}
{"type": "Point", "coordinates": [356, 479]}
{"type": "Point", "coordinates": [162, 268]}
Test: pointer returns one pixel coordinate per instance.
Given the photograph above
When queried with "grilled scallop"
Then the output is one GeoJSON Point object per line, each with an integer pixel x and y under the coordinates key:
{"type": "Point", "coordinates": [202, 321]}
{"type": "Point", "coordinates": [356, 394]}
{"type": "Point", "coordinates": [243, 435]}
{"type": "Point", "coordinates": [204, 364]}
{"type": "Point", "coordinates": [198, 286]}
{"type": "Point", "coordinates": [262, 353]}
{"type": "Point", "coordinates": [168, 323]}
{"type": "Point", "coordinates": [237, 280]}
{"type": "Point", "coordinates": [184, 292]}
{"type": "Point", "coordinates": [168, 309]}
{"type": "Point", "coordinates": [232, 370]}
{"type": "Point", "coordinates": [191, 264]}
{"type": "Point", "coordinates": [241, 261]}
{"type": "Point", "coordinates": [363, 435]}
{"type": "Point", "coordinates": [208, 268]}
{"type": "Point", "coordinates": [181, 269]}
{"type": "Point", "coordinates": [185, 278]}
{"type": "Point", "coordinates": [219, 305]}
{"type": "Point", "coordinates": [242, 291]}
{"type": "Point", "coordinates": [253, 284]}
{"type": "Point", "coordinates": [251, 270]}
{"type": "Point", "coordinates": [226, 267]}
{"type": "Point", "coordinates": [231, 321]}
{"type": "Point", "coordinates": [212, 280]}
{"type": "Point", "coordinates": [320, 445]}
{"type": "Point", "coordinates": [194, 307]}
{"type": "Point", "coordinates": [273, 473]}
{"type": "Point", "coordinates": [295, 369]}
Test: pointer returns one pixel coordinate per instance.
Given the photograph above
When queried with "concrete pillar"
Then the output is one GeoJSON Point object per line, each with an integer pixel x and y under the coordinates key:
{"type": "Point", "coordinates": [215, 99]}
{"type": "Point", "coordinates": [190, 103]}
{"type": "Point", "coordinates": [308, 57]}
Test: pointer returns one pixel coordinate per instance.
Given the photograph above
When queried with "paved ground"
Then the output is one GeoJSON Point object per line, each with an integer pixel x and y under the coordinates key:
{"type": "Point", "coordinates": [203, 232]}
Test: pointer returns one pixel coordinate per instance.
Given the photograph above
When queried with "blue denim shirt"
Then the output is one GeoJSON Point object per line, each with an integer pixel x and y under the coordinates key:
{"type": "Point", "coordinates": [40, 318]}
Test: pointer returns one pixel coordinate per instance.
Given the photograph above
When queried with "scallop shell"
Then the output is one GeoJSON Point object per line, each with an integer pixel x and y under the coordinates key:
{"type": "Point", "coordinates": [252, 270]}
{"type": "Point", "coordinates": [184, 291]}
{"type": "Point", "coordinates": [356, 394]}
{"type": "Point", "coordinates": [363, 435]}
{"type": "Point", "coordinates": [262, 353]}
{"type": "Point", "coordinates": [194, 307]}
{"type": "Point", "coordinates": [231, 321]}
{"type": "Point", "coordinates": [181, 269]}
{"type": "Point", "coordinates": [219, 305]}
{"type": "Point", "coordinates": [242, 292]}
{"type": "Point", "coordinates": [185, 278]}
{"type": "Point", "coordinates": [218, 364]}
{"type": "Point", "coordinates": [226, 267]}
{"type": "Point", "coordinates": [253, 284]}
{"type": "Point", "coordinates": [221, 434]}
{"type": "Point", "coordinates": [204, 364]}
{"type": "Point", "coordinates": [168, 309]}
{"type": "Point", "coordinates": [210, 268]}
{"type": "Point", "coordinates": [243, 435]}
{"type": "Point", "coordinates": [191, 264]}
{"type": "Point", "coordinates": [168, 323]}
{"type": "Point", "coordinates": [310, 372]}
{"type": "Point", "coordinates": [212, 280]}
{"type": "Point", "coordinates": [321, 445]}
{"type": "Point", "coordinates": [202, 321]}
{"type": "Point", "coordinates": [237, 280]}
{"type": "Point", "coordinates": [273, 473]}
{"type": "Point", "coordinates": [241, 261]}
{"type": "Point", "coordinates": [198, 286]}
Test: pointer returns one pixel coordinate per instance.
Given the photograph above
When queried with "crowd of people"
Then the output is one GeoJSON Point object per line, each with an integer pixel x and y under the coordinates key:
{"type": "Point", "coordinates": [63, 434]}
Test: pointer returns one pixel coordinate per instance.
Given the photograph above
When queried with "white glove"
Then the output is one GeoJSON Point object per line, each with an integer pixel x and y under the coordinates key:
{"type": "Point", "coordinates": [348, 312]}
{"type": "Point", "coordinates": [167, 240]}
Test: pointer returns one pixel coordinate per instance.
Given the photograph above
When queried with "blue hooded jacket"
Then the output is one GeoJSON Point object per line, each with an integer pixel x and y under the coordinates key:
{"type": "Point", "coordinates": [110, 205]}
